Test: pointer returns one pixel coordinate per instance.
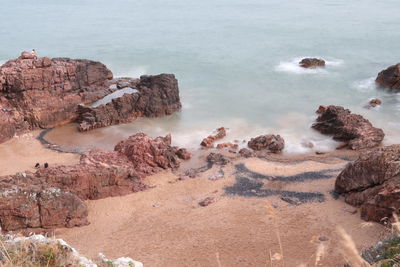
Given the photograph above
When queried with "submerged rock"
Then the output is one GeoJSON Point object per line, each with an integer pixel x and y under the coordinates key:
{"type": "Point", "coordinates": [157, 95]}
{"type": "Point", "coordinates": [372, 182]}
{"type": "Point", "coordinates": [390, 77]}
{"type": "Point", "coordinates": [312, 63]}
{"type": "Point", "coordinates": [356, 131]}
{"type": "Point", "coordinates": [270, 142]}
{"type": "Point", "coordinates": [374, 102]}
{"type": "Point", "coordinates": [208, 142]}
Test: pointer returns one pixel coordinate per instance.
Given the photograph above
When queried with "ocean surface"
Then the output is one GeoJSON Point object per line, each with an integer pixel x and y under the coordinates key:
{"type": "Point", "coordinates": [236, 61]}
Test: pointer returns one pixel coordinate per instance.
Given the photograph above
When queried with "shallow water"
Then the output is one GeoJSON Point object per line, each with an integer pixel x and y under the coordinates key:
{"type": "Point", "coordinates": [236, 61]}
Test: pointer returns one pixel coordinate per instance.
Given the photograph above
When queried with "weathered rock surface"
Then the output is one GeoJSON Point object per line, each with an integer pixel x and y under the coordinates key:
{"type": "Point", "coordinates": [273, 143]}
{"type": "Point", "coordinates": [44, 92]}
{"type": "Point", "coordinates": [227, 145]}
{"type": "Point", "coordinates": [52, 197]}
{"type": "Point", "coordinates": [356, 131]}
{"type": "Point", "coordinates": [217, 158]}
{"type": "Point", "coordinates": [157, 95]}
{"type": "Point", "coordinates": [208, 142]}
{"type": "Point", "coordinates": [372, 182]}
{"type": "Point", "coordinates": [312, 63]}
{"type": "Point", "coordinates": [390, 77]}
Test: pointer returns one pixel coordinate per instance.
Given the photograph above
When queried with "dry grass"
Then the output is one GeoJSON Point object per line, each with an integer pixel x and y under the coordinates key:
{"type": "Point", "coordinates": [35, 254]}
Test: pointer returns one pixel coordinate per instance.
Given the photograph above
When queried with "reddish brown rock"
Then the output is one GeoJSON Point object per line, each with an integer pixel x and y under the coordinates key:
{"type": "Point", "coordinates": [273, 143]}
{"type": "Point", "coordinates": [52, 197]}
{"type": "Point", "coordinates": [44, 92]}
{"type": "Point", "coordinates": [29, 206]}
{"type": "Point", "coordinates": [208, 142]}
{"type": "Point", "coordinates": [227, 145]}
{"type": "Point", "coordinates": [157, 95]}
{"type": "Point", "coordinates": [321, 109]}
{"type": "Point", "coordinates": [182, 153]}
{"type": "Point", "coordinates": [312, 63]}
{"type": "Point", "coordinates": [374, 102]}
{"type": "Point", "coordinates": [390, 77]}
{"type": "Point", "coordinates": [356, 131]}
{"type": "Point", "coordinates": [372, 182]}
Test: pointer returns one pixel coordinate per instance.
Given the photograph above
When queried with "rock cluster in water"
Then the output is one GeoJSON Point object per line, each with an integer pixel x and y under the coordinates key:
{"type": "Point", "coordinates": [352, 129]}
{"type": "Point", "coordinates": [53, 197]}
{"type": "Point", "coordinates": [46, 92]}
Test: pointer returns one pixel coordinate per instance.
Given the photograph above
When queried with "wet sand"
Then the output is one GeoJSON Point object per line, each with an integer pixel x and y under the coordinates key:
{"type": "Point", "coordinates": [165, 226]}
{"type": "Point", "coordinates": [23, 152]}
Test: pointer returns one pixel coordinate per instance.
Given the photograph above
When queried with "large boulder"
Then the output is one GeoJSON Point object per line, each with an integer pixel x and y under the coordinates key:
{"type": "Point", "coordinates": [270, 142]}
{"type": "Point", "coordinates": [372, 182]}
{"type": "Point", "coordinates": [156, 96]}
{"type": "Point", "coordinates": [356, 131]}
{"type": "Point", "coordinates": [44, 92]}
{"type": "Point", "coordinates": [28, 206]}
{"type": "Point", "coordinates": [390, 77]}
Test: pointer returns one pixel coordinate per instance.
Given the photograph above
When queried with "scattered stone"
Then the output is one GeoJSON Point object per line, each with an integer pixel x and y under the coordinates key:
{"type": "Point", "coordinates": [217, 158]}
{"type": "Point", "coordinates": [372, 183]}
{"type": "Point", "coordinates": [207, 201]}
{"type": "Point", "coordinates": [390, 77]}
{"type": "Point", "coordinates": [208, 142]}
{"type": "Point", "coordinates": [323, 238]}
{"type": "Point", "coordinates": [374, 102]}
{"type": "Point", "coordinates": [247, 153]}
{"type": "Point", "coordinates": [291, 200]}
{"type": "Point", "coordinates": [351, 211]}
{"type": "Point", "coordinates": [227, 145]}
{"type": "Point", "coordinates": [270, 142]}
{"type": "Point", "coordinates": [353, 129]}
{"type": "Point", "coordinates": [312, 63]}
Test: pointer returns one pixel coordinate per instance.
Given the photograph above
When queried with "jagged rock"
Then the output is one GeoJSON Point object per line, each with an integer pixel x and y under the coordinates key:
{"type": "Point", "coordinates": [217, 158]}
{"type": "Point", "coordinates": [372, 182]}
{"type": "Point", "coordinates": [149, 155]}
{"type": "Point", "coordinates": [43, 92]}
{"type": "Point", "coordinates": [208, 142]}
{"type": "Point", "coordinates": [390, 77]}
{"type": "Point", "coordinates": [157, 95]}
{"type": "Point", "coordinates": [273, 143]}
{"type": "Point", "coordinates": [312, 63]}
{"type": "Point", "coordinates": [52, 197]}
{"type": "Point", "coordinates": [356, 131]}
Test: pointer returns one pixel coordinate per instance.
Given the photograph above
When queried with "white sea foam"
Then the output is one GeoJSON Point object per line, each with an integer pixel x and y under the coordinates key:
{"type": "Point", "coordinates": [134, 72]}
{"type": "Point", "coordinates": [365, 85]}
{"type": "Point", "coordinates": [293, 66]}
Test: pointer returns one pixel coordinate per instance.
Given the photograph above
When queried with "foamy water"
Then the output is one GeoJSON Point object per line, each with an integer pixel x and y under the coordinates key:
{"type": "Point", "coordinates": [236, 61]}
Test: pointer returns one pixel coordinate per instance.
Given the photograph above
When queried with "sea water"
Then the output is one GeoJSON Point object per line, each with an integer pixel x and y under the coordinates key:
{"type": "Point", "coordinates": [236, 61]}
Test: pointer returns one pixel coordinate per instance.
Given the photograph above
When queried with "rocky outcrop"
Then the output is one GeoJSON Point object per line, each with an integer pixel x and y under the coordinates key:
{"type": "Point", "coordinates": [208, 142]}
{"type": "Point", "coordinates": [157, 95]}
{"type": "Point", "coordinates": [372, 182]}
{"type": "Point", "coordinates": [312, 63]}
{"type": "Point", "coordinates": [44, 92]}
{"type": "Point", "coordinates": [390, 77]}
{"type": "Point", "coordinates": [270, 142]}
{"type": "Point", "coordinates": [52, 197]}
{"type": "Point", "coordinates": [356, 131]}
